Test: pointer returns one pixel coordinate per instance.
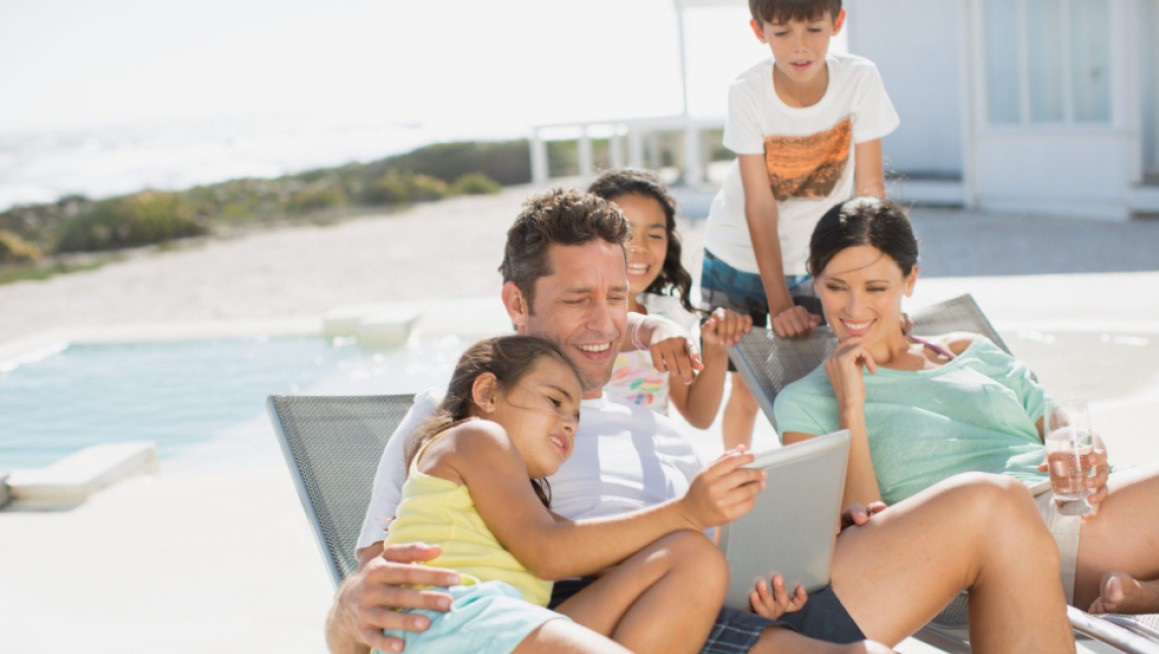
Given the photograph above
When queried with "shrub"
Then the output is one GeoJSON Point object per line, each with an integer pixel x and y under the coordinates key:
{"type": "Point", "coordinates": [507, 162]}
{"type": "Point", "coordinates": [326, 194]}
{"type": "Point", "coordinates": [475, 184]}
{"type": "Point", "coordinates": [15, 250]}
{"type": "Point", "coordinates": [133, 220]}
{"type": "Point", "coordinates": [424, 188]}
{"type": "Point", "coordinates": [391, 188]}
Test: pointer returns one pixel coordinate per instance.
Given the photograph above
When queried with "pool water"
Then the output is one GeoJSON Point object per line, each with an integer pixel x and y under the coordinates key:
{"type": "Point", "coordinates": [187, 394]}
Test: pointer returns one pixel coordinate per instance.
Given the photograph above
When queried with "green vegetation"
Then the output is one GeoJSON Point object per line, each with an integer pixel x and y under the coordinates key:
{"type": "Point", "coordinates": [140, 219]}
{"type": "Point", "coordinates": [33, 237]}
{"type": "Point", "coordinates": [15, 250]}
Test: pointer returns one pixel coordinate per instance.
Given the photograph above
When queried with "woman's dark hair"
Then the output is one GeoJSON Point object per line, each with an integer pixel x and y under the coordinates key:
{"type": "Point", "coordinates": [509, 358]}
{"type": "Point", "coordinates": [634, 181]}
{"type": "Point", "coordinates": [864, 221]}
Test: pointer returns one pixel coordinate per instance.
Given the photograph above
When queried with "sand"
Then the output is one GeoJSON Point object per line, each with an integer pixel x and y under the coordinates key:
{"type": "Point", "coordinates": [223, 559]}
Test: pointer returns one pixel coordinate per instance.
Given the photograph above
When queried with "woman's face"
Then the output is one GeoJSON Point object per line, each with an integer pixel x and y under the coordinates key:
{"type": "Point", "coordinates": [649, 245]}
{"type": "Point", "coordinates": [861, 290]}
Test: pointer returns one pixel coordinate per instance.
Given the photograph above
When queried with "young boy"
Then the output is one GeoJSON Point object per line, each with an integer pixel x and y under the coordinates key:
{"type": "Point", "coordinates": [807, 127]}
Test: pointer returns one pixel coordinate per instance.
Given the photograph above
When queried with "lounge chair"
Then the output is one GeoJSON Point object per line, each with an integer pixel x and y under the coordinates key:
{"type": "Point", "coordinates": [332, 446]}
{"type": "Point", "coordinates": [768, 364]}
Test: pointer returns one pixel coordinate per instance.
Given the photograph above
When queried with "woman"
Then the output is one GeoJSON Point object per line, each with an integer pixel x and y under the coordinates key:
{"type": "Point", "coordinates": [928, 410]}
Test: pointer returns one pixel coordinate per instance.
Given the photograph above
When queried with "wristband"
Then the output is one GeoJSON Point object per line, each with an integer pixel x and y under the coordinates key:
{"type": "Point", "coordinates": [636, 336]}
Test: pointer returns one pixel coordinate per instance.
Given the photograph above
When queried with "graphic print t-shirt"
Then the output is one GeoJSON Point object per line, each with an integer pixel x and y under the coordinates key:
{"type": "Point", "coordinates": [808, 153]}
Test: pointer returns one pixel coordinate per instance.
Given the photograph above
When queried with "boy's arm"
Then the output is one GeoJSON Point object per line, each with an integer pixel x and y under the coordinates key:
{"type": "Point", "coordinates": [760, 209]}
{"type": "Point", "coordinates": [869, 169]}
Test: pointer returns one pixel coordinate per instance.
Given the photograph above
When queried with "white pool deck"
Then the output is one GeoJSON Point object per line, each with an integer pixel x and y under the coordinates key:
{"type": "Point", "coordinates": [224, 560]}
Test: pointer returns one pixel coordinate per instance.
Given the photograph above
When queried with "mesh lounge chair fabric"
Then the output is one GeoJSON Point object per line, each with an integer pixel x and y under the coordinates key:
{"type": "Point", "coordinates": [332, 446]}
{"type": "Point", "coordinates": [768, 363]}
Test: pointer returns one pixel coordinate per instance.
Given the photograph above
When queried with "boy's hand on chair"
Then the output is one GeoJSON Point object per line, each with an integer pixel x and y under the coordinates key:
{"type": "Point", "coordinates": [775, 602]}
{"type": "Point", "coordinates": [794, 321]}
{"type": "Point", "coordinates": [722, 492]}
{"type": "Point", "coordinates": [725, 327]}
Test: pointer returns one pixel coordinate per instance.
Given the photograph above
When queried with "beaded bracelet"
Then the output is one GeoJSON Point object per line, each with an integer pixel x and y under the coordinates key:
{"type": "Point", "coordinates": [636, 335]}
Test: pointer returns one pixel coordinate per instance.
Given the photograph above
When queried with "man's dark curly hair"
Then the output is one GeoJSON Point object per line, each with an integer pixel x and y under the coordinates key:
{"type": "Point", "coordinates": [563, 216]}
{"type": "Point", "coordinates": [782, 11]}
{"type": "Point", "coordinates": [627, 181]}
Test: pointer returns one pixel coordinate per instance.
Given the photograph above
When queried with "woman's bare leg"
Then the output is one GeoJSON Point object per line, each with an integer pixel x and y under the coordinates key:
{"type": "Point", "coordinates": [1123, 538]}
{"type": "Point", "coordinates": [740, 414]}
{"type": "Point", "coordinates": [974, 531]}
{"type": "Point", "coordinates": [662, 599]}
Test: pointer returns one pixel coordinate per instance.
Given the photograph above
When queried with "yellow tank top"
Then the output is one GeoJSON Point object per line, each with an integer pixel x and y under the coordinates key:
{"type": "Point", "coordinates": [438, 511]}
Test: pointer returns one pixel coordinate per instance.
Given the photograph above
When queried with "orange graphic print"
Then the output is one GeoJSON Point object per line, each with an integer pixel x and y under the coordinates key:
{"type": "Point", "coordinates": [808, 166]}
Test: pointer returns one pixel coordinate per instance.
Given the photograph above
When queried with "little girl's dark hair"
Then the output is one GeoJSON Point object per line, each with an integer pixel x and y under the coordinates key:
{"type": "Point", "coordinates": [627, 181]}
{"type": "Point", "coordinates": [864, 221]}
{"type": "Point", "coordinates": [509, 358]}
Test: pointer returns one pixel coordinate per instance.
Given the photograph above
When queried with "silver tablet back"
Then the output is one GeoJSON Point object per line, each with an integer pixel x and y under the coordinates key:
{"type": "Point", "coordinates": [792, 529]}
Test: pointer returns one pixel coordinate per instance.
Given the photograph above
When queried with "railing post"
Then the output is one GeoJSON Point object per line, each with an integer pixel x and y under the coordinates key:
{"type": "Point", "coordinates": [586, 166]}
{"type": "Point", "coordinates": [539, 165]}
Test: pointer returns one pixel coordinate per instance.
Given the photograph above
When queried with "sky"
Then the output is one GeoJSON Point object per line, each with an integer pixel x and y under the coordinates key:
{"type": "Point", "coordinates": [482, 67]}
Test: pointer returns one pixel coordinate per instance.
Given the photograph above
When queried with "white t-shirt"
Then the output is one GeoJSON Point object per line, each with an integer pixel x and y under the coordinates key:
{"type": "Point", "coordinates": [808, 153]}
{"type": "Point", "coordinates": [625, 458]}
{"type": "Point", "coordinates": [634, 379]}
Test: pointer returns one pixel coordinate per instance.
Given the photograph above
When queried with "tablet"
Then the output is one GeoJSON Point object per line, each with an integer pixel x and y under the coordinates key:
{"type": "Point", "coordinates": [792, 529]}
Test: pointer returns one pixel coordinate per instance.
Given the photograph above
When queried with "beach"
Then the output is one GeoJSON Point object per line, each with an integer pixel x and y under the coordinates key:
{"type": "Point", "coordinates": [222, 557]}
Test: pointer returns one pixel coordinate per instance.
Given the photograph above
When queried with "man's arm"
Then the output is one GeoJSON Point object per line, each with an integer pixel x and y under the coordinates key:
{"type": "Point", "coordinates": [369, 600]}
{"type": "Point", "coordinates": [760, 210]}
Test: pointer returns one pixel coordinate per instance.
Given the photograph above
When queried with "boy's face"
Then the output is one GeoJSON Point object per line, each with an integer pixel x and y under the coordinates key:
{"type": "Point", "coordinates": [799, 47]}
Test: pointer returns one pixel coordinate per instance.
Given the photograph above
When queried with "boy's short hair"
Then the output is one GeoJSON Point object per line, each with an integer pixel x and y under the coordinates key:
{"type": "Point", "coordinates": [563, 216]}
{"type": "Point", "coordinates": [783, 11]}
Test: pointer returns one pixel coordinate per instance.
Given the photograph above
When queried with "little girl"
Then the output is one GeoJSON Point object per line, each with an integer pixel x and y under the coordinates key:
{"type": "Point", "coordinates": [660, 285]}
{"type": "Point", "coordinates": [510, 415]}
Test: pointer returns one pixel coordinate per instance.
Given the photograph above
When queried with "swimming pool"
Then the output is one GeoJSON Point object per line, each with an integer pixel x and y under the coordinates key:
{"type": "Point", "coordinates": [184, 395]}
{"type": "Point", "coordinates": [202, 401]}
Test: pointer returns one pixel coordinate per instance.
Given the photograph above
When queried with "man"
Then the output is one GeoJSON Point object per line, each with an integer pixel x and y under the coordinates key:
{"type": "Point", "coordinates": [565, 278]}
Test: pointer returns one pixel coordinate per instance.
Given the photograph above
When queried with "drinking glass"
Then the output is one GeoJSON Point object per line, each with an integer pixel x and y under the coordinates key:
{"type": "Point", "coordinates": [1070, 456]}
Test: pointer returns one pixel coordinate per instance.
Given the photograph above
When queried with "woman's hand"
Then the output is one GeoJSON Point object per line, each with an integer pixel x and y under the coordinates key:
{"type": "Point", "coordinates": [724, 491]}
{"type": "Point", "coordinates": [1097, 482]}
{"type": "Point", "coordinates": [844, 371]}
{"type": "Point", "coordinates": [725, 328]}
{"type": "Point", "coordinates": [774, 603]}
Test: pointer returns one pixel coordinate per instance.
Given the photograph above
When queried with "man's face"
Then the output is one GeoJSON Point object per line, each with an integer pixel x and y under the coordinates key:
{"type": "Point", "coordinates": [582, 306]}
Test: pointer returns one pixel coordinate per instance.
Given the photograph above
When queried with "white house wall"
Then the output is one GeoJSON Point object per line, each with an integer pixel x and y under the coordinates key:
{"type": "Point", "coordinates": [916, 46]}
{"type": "Point", "coordinates": [1066, 173]}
